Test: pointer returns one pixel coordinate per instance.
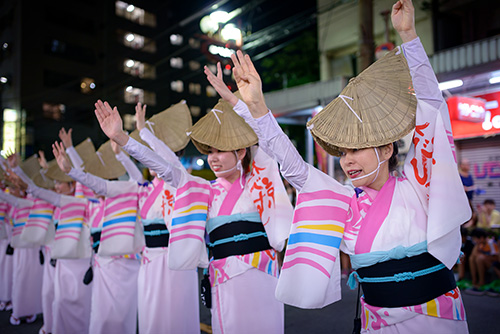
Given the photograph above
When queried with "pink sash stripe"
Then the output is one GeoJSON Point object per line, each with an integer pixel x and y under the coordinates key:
{"type": "Point", "coordinates": [129, 194]}
{"type": "Point", "coordinates": [318, 213]}
{"type": "Point", "coordinates": [232, 197]}
{"type": "Point", "coordinates": [40, 225]}
{"type": "Point", "coordinates": [104, 237]}
{"type": "Point", "coordinates": [108, 229]}
{"type": "Point", "coordinates": [70, 214]}
{"type": "Point", "coordinates": [191, 185]}
{"type": "Point", "coordinates": [309, 262]}
{"type": "Point", "coordinates": [192, 198]}
{"type": "Point", "coordinates": [151, 198]}
{"type": "Point", "coordinates": [291, 251]}
{"type": "Point", "coordinates": [322, 194]}
{"type": "Point", "coordinates": [188, 227]}
{"type": "Point", "coordinates": [376, 216]}
{"type": "Point", "coordinates": [186, 236]}
{"type": "Point", "coordinates": [125, 205]}
{"type": "Point", "coordinates": [65, 237]}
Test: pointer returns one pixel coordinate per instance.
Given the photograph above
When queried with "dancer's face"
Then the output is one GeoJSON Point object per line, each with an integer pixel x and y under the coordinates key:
{"type": "Point", "coordinates": [64, 188]}
{"type": "Point", "coordinates": [359, 162]}
{"type": "Point", "coordinates": [223, 163]}
{"type": "Point", "coordinates": [220, 161]}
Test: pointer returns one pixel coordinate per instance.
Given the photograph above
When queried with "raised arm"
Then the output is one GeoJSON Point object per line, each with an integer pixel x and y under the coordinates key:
{"type": "Point", "coordinates": [156, 144]}
{"type": "Point", "coordinates": [95, 183]}
{"type": "Point", "coordinates": [272, 139]}
{"type": "Point", "coordinates": [424, 80]}
{"type": "Point", "coordinates": [67, 140]}
{"type": "Point", "coordinates": [111, 123]}
{"type": "Point", "coordinates": [132, 170]}
{"type": "Point", "coordinates": [13, 200]}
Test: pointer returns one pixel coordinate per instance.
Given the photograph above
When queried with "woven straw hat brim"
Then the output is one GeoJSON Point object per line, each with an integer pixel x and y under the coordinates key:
{"type": "Point", "coordinates": [43, 181]}
{"type": "Point", "coordinates": [135, 134]}
{"type": "Point", "coordinates": [104, 164]}
{"type": "Point", "coordinates": [222, 129]}
{"type": "Point", "coordinates": [31, 166]}
{"type": "Point", "coordinates": [56, 174]}
{"type": "Point", "coordinates": [382, 97]}
{"type": "Point", "coordinates": [171, 125]}
{"type": "Point", "coordinates": [85, 150]}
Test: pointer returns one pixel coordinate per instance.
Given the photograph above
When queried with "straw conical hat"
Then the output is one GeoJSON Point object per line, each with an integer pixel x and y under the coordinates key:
{"type": "Point", "coordinates": [376, 108]}
{"type": "Point", "coordinates": [104, 164]}
{"type": "Point", "coordinates": [171, 125]}
{"type": "Point", "coordinates": [33, 170]}
{"type": "Point", "coordinates": [135, 134]}
{"type": "Point", "coordinates": [43, 181]}
{"type": "Point", "coordinates": [222, 129]}
{"type": "Point", "coordinates": [55, 173]}
{"type": "Point", "coordinates": [31, 166]}
{"type": "Point", "coordinates": [86, 150]}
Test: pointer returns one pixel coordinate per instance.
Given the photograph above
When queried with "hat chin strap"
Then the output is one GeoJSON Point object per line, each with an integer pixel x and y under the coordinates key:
{"type": "Point", "coordinates": [377, 170]}
{"type": "Point", "coordinates": [238, 166]}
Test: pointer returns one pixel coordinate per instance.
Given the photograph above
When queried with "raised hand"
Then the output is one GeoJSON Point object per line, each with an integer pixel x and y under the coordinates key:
{"type": "Point", "coordinates": [42, 160]}
{"type": "Point", "coordinates": [140, 116]}
{"type": "Point", "coordinates": [13, 159]}
{"type": "Point", "coordinates": [66, 137]}
{"type": "Point", "coordinates": [403, 20]}
{"type": "Point", "coordinates": [249, 84]}
{"type": "Point", "coordinates": [110, 122]}
{"type": "Point", "coordinates": [16, 180]}
{"type": "Point", "coordinates": [61, 157]}
{"type": "Point", "coordinates": [218, 84]}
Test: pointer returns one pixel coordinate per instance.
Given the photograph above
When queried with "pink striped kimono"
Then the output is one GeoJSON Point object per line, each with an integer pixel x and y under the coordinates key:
{"type": "Point", "coordinates": [243, 286]}
{"type": "Point", "coordinates": [27, 270]}
{"type": "Point", "coordinates": [168, 299]}
{"type": "Point", "coordinates": [114, 294]}
{"type": "Point", "coordinates": [39, 224]}
{"type": "Point", "coordinates": [425, 206]}
{"type": "Point", "coordinates": [6, 261]}
{"type": "Point", "coordinates": [71, 307]}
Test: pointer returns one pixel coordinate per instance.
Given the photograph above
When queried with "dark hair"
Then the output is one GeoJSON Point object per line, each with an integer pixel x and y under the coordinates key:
{"type": "Point", "coordinates": [247, 159]}
{"type": "Point", "coordinates": [393, 160]}
{"type": "Point", "coordinates": [489, 201]}
{"type": "Point", "coordinates": [181, 152]}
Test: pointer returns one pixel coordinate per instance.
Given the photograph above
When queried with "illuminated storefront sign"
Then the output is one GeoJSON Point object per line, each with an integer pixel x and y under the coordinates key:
{"type": "Point", "coordinates": [475, 117]}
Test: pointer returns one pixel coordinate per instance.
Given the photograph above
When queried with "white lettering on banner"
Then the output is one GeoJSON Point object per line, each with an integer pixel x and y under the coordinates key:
{"type": "Point", "coordinates": [471, 111]}
{"type": "Point", "coordinates": [490, 122]}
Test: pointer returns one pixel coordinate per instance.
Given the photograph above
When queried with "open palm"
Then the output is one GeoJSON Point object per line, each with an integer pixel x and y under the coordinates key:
{"type": "Point", "coordinates": [109, 120]}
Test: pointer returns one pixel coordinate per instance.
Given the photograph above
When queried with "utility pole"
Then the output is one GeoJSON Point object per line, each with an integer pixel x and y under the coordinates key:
{"type": "Point", "coordinates": [367, 45]}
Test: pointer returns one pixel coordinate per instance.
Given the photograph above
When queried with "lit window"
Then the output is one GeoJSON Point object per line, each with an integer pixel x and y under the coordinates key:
{"type": "Point", "coordinates": [194, 88]}
{"type": "Point", "coordinates": [53, 110]}
{"type": "Point", "coordinates": [195, 110]}
{"type": "Point", "coordinates": [137, 42]}
{"type": "Point", "coordinates": [194, 43]}
{"type": "Point", "coordinates": [176, 62]}
{"type": "Point", "coordinates": [176, 39]}
{"type": "Point", "coordinates": [211, 92]}
{"type": "Point", "coordinates": [134, 95]}
{"type": "Point", "coordinates": [194, 65]}
{"type": "Point", "coordinates": [177, 86]}
{"type": "Point", "coordinates": [134, 14]}
{"type": "Point", "coordinates": [87, 85]}
{"type": "Point", "coordinates": [139, 69]}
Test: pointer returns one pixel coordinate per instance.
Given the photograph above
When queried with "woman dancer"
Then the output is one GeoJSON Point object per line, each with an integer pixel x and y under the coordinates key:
{"type": "Point", "coordinates": [247, 216]}
{"type": "Point", "coordinates": [402, 234]}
